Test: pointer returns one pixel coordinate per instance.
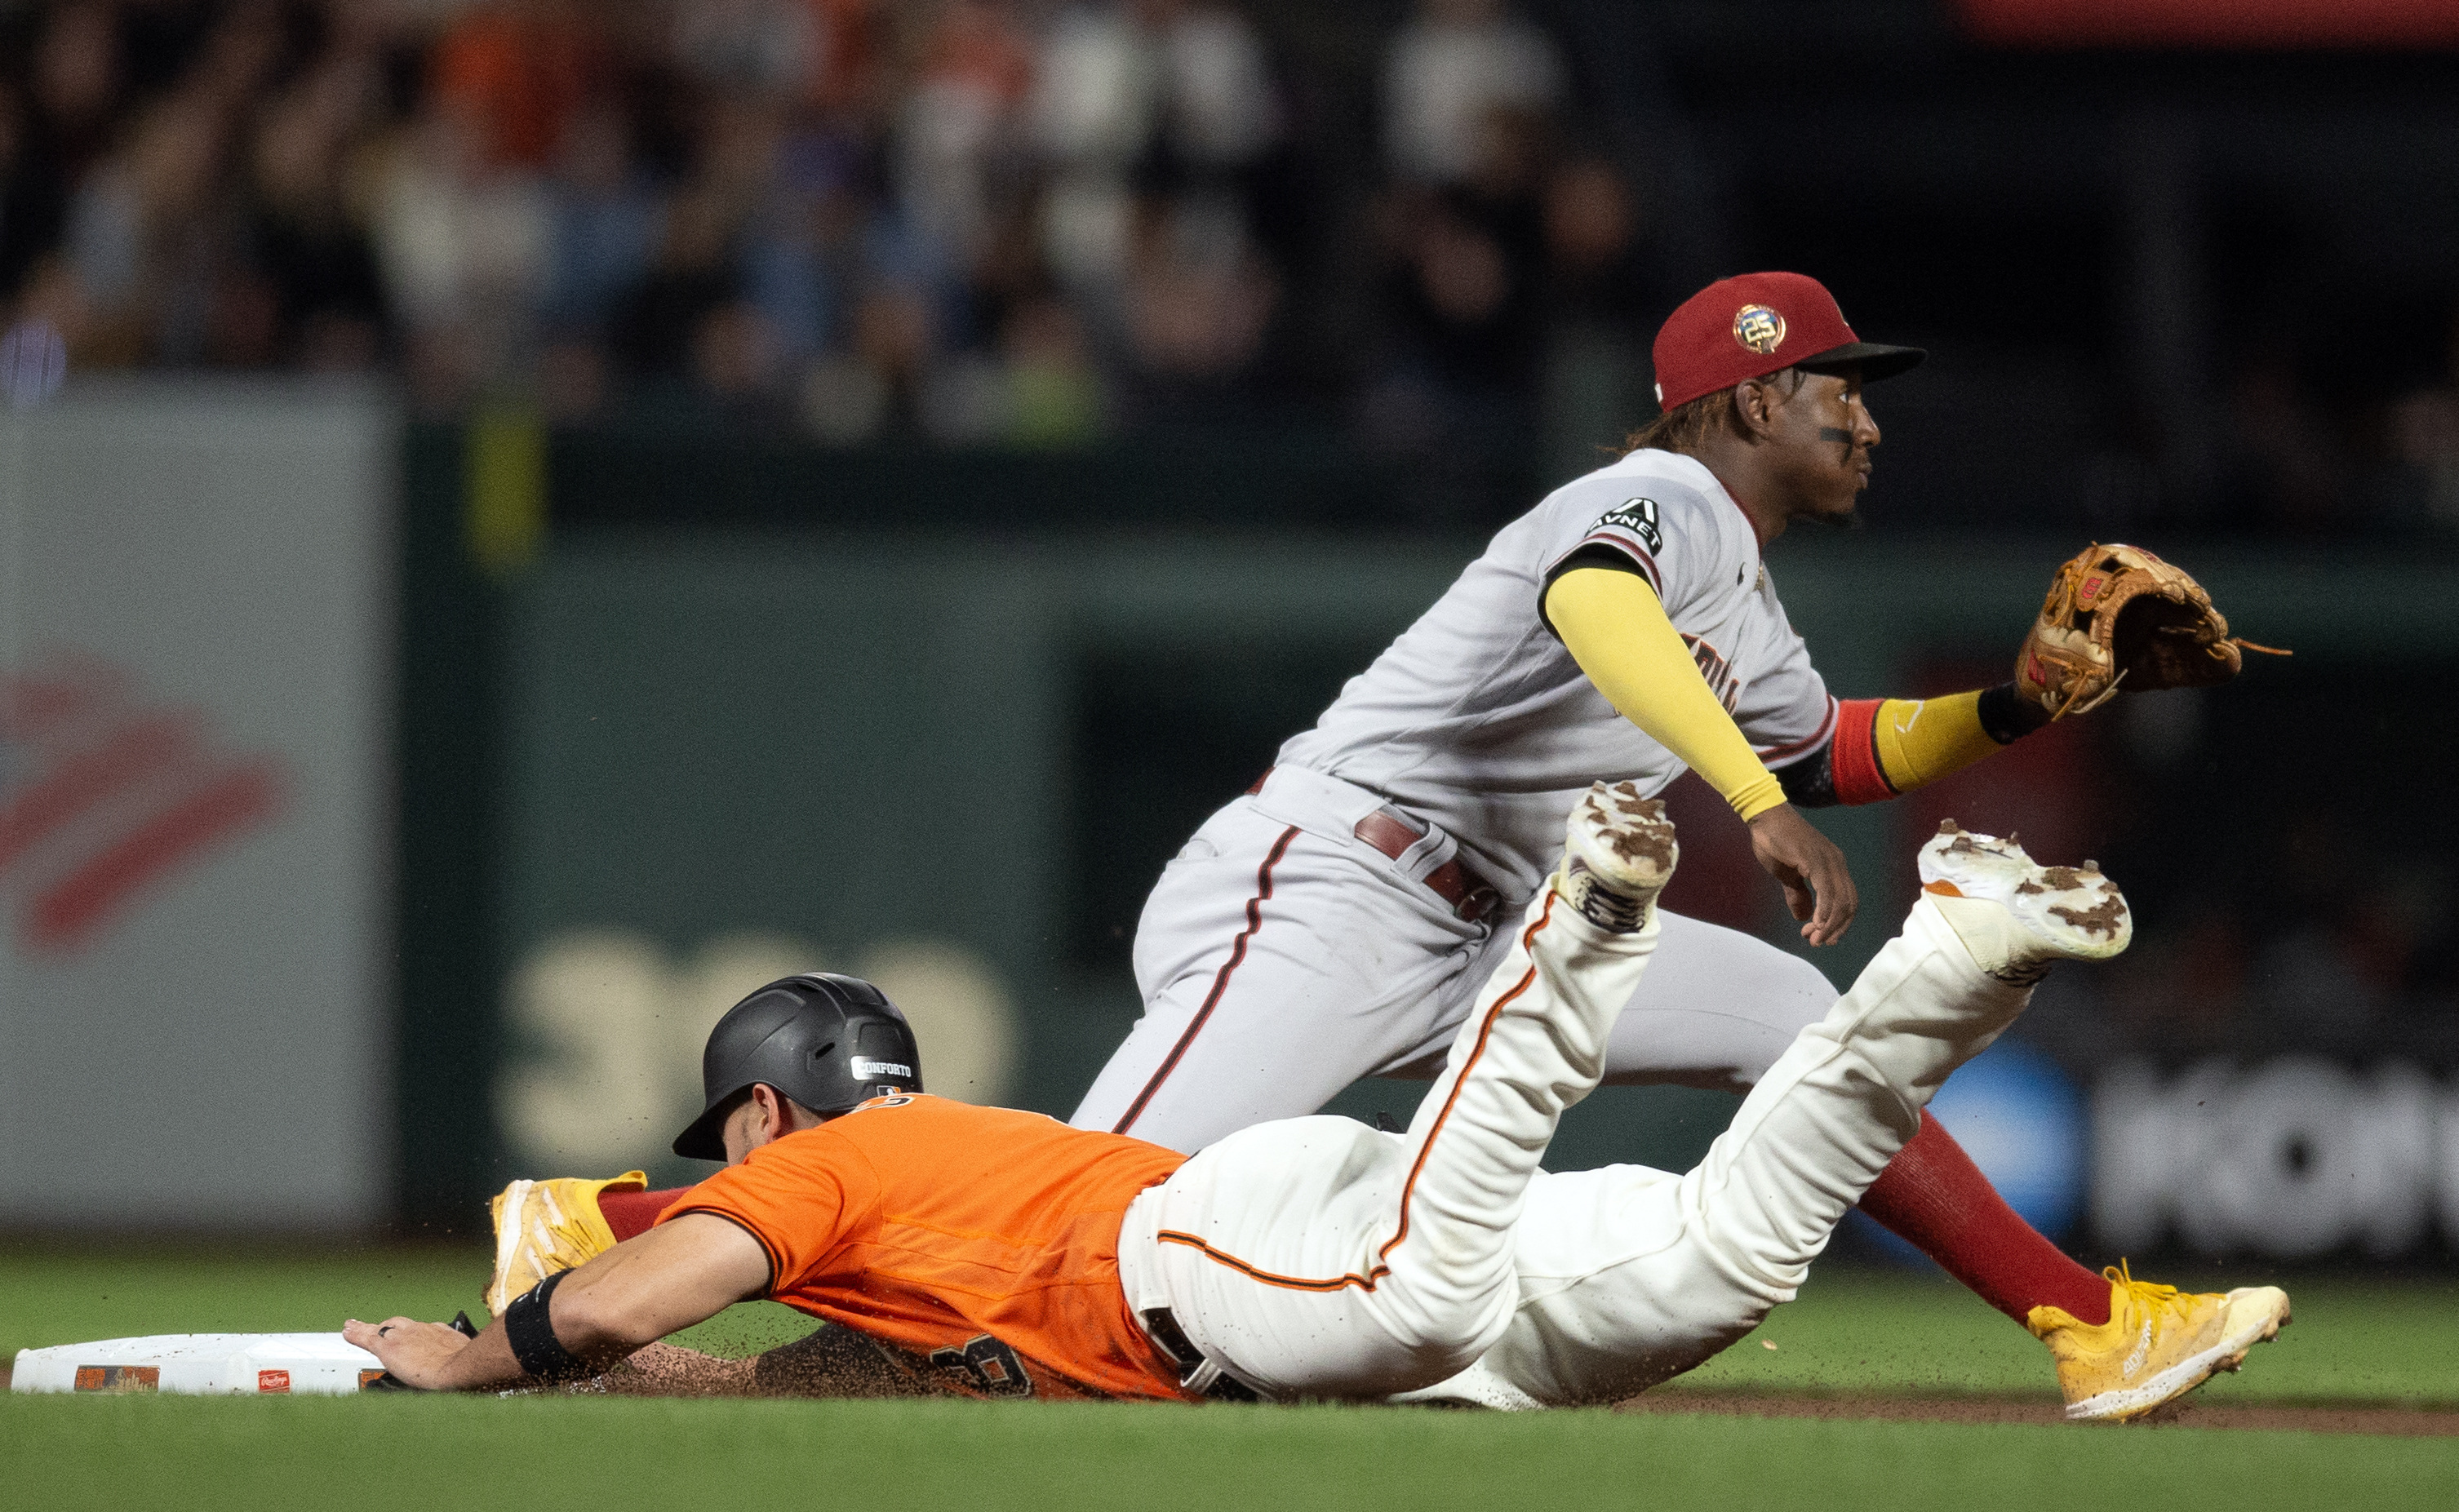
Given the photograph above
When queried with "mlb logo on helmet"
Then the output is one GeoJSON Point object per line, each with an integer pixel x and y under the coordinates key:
{"type": "Point", "coordinates": [1757, 323]}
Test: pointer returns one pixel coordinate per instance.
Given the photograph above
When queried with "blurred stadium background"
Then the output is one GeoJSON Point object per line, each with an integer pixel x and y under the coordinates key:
{"type": "Point", "coordinates": [523, 519]}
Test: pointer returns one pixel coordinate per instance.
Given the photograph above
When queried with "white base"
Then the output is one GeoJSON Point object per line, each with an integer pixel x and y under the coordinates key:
{"type": "Point", "coordinates": [201, 1364]}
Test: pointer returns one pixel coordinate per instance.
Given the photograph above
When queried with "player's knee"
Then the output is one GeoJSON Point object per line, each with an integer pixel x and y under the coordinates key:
{"type": "Point", "coordinates": [1442, 1329]}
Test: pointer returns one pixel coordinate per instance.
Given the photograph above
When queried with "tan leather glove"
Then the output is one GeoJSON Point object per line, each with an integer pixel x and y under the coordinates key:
{"type": "Point", "coordinates": [2118, 615]}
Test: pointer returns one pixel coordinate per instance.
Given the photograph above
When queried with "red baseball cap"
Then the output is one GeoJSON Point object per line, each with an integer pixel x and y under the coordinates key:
{"type": "Point", "coordinates": [1757, 323]}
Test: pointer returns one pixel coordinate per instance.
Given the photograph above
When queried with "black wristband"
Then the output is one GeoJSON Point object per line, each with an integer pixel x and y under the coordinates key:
{"type": "Point", "coordinates": [2007, 715]}
{"type": "Point", "coordinates": [1810, 783]}
{"type": "Point", "coordinates": [531, 1332]}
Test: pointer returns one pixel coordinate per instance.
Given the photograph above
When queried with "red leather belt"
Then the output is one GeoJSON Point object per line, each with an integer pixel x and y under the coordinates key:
{"type": "Point", "coordinates": [1389, 831]}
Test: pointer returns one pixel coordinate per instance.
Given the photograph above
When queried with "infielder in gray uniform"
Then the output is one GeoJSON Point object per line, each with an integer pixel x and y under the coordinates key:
{"type": "Point", "coordinates": [1336, 920]}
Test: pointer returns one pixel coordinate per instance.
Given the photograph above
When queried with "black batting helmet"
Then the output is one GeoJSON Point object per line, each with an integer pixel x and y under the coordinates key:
{"type": "Point", "coordinates": [828, 1043]}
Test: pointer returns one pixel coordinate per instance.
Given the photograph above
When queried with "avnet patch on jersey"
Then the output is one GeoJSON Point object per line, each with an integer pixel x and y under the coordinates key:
{"type": "Point", "coordinates": [1639, 518]}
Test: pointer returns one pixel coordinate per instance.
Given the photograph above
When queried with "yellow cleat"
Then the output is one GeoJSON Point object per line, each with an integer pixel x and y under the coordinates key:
{"type": "Point", "coordinates": [2158, 1344]}
{"type": "Point", "coordinates": [544, 1227]}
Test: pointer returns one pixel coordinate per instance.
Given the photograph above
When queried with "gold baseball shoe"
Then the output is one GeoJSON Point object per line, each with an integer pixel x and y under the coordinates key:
{"type": "Point", "coordinates": [544, 1227]}
{"type": "Point", "coordinates": [2158, 1344]}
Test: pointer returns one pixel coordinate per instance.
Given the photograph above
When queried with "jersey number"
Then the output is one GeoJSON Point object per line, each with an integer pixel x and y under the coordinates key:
{"type": "Point", "coordinates": [985, 1365]}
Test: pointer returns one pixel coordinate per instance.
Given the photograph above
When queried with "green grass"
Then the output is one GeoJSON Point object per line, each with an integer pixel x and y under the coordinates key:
{"type": "Point", "coordinates": [2371, 1340]}
{"type": "Point", "coordinates": [539, 1456]}
{"type": "Point", "coordinates": [2352, 1341]}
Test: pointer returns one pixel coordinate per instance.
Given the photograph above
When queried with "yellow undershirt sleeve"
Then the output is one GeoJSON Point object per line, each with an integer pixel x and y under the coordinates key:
{"type": "Point", "coordinates": [1616, 630]}
{"type": "Point", "coordinates": [1922, 740]}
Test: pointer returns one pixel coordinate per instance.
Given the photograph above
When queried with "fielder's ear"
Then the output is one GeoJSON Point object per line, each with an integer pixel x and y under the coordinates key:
{"type": "Point", "coordinates": [1754, 406]}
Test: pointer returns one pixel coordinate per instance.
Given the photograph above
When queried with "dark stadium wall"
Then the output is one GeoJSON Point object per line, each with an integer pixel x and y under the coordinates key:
{"type": "Point", "coordinates": [448, 957]}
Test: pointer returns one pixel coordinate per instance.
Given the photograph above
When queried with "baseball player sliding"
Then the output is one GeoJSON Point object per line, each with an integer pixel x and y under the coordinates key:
{"type": "Point", "coordinates": [1336, 920]}
{"type": "Point", "coordinates": [1311, 1257]}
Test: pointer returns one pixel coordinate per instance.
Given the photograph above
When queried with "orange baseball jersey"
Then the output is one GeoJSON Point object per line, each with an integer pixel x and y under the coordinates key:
{"type": "Point", "coordinates": [983, 1239]}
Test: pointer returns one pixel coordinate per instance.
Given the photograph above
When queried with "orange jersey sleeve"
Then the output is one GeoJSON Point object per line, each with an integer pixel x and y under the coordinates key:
{"type": "Point", "coordinates": [983, 1239]}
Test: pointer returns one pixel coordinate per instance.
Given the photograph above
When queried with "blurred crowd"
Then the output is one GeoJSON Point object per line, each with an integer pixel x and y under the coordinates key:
{"type": "Point", "coordinates": [2299, 455]}
{"type": "Point", "coordinates": [1015, 220]}
{"type": "Point", "coordinates": [1432, 226]}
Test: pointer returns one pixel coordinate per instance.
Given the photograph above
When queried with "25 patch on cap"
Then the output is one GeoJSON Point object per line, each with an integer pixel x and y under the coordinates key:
{"type": "Point", "coordinates": [1759, 328]}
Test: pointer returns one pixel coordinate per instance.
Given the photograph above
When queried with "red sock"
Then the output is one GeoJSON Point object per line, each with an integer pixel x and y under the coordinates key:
{"type": "Point", "coordinates": [1933, 1197]}
{"type": "Point", "coordinates": [630, 1213]}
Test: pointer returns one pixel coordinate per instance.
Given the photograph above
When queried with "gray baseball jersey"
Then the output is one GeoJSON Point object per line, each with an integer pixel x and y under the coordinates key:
{"type": "Point", "coordinates": [1478, 719]}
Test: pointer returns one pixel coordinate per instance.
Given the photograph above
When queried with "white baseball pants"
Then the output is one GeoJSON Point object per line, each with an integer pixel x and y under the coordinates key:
{"type": "Point", "coordinates": [1280, 958]}
{"type": "Point", "coordinates": [1318, 1257]}
{"type": "Point", "coordinates": [1628, 1276]}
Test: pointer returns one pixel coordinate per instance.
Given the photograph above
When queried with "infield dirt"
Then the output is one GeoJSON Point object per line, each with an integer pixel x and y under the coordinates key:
{"type": "Point", "coordinates": [2351, 1417]}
